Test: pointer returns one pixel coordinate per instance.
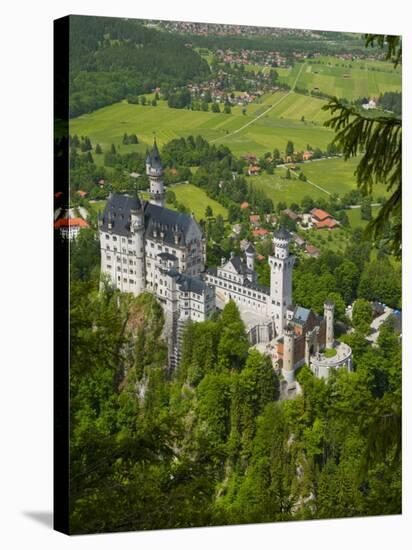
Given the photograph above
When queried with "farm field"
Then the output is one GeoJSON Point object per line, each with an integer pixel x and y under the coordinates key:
{"type": "Point", "coordinates": [280, 189]}
{"type": "Point", "coordinates": [354, 216]}
{"type": "Point", "coordinates": [351, 83]}
{"type": "Point", "coordinates": [107, 125]}
{"type": "Point", "coordinates": [196, 200]}
{"type": "Point", "coordinates": [336, 175]}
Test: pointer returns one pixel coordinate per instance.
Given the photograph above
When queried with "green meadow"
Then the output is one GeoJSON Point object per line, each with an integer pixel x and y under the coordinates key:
{"type": "Point", "coordinates": [336, 175]}
{"type": "Point", "coordinates": [353, 82]}
{"type": "Point", "coordinates": [280, 124]}
{"type": "Point", "coordinates": [196, 200]}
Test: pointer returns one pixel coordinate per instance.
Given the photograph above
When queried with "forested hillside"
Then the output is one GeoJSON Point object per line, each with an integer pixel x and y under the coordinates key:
{"type": "Point", "coordinates": [211, 443]}
{"type": "Point", "coordinates": [111, 58]}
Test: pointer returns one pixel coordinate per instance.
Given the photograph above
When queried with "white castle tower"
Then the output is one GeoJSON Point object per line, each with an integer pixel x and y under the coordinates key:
{"type": "Point", "coordinates": [281, 266]}
{"type": "Point", "coordinates": [250, 257]}
{"type": "Point", "coordinates": [328, 313]}
{"type": "Point", "coordinates": [137, 230]}
{"type": "Point", "coordinates": [288, 353]}
{"type": "Point", "coordinates": [155, 172]}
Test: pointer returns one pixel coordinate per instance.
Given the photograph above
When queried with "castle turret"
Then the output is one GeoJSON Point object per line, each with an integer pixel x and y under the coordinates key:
{"type": "Point", "coordinates": [288, 353]}
{"type": "Point", "coordinates": [250, 257]}
{"type": "Point", "coordinates": [281, 266]}
{"type": "Point", "coordinates": [328, 312]}
{"type": "Point", "coordinates": [137, 230]}
{"type": "Point", "coordinates": [155, 172]}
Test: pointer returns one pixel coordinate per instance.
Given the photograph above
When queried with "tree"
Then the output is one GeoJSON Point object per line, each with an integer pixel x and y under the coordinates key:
{"type": "Point", "coordinates": [379, 138]}
{"type": "Point", "coordinates": [366, 209]}
{"type": "Point", "coordinates": [113, 150]}
{"type": "Point", "coordinates": [125, 139]}
{"type": "Point", "coordinates": [288, 175]}
{"type": "Point", "coordinates": [289, 148]}
{"type": "Point", "coordinates": [208, 211]}
{"type": "Point", "coordinates": [227, 108]}
{"type": "Point", "coordinates": [98, 149]}
{"type": "Point", "coordinates": [362, 315]}
{"type": "Point", "coordinates": [215, 107]}
{"type": "Point", "coordinates": [307, 203]}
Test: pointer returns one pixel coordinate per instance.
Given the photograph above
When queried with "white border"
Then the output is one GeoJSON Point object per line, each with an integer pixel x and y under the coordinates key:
{"type": "Point", "coordinates": [26, 266]}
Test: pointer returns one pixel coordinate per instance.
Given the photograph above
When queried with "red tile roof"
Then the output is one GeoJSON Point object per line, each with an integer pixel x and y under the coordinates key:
{"type": "Point", "coordinates": [320, 214]}
{"type": "Point", "coordinates": [244, 205]}
{"type": "Point", "coordinates": [329, 223]}
{"type": "Point", "coordinates": [260, 232]}
{"type": "Point", "coordinates": [254, 218]}
{"type": "Point", "coordinates": [70, 222]}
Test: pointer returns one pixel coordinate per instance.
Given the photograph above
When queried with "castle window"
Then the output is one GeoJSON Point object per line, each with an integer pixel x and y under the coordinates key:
{"type": "Point", "coordinates": [114, 238]}
{"type": "Point", "coordinates": [130, 241]}
{"type": "Point", "coordinates": [131, 281]}
{"type": "Point", "coordinates": [115, 248]}
{"type": "Point", "coordinates": [109, 266]}
{"type": "Point", "coordinates": [107, 236]}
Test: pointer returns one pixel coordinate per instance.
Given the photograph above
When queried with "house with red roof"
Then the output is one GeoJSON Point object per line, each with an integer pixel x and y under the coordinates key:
{"type": "Point", "coordinates": [255, 220]}
{"type": "Point", "coordinates": [260, 233]}
{"type": "Point", "coordinates": [70, 227]}
{"type": "Point", "coordinates": [322, 219]}
{"type": "Point", "coordinates": [312, 251]}
{"type": "Point", "coordinates": [253, 170]}
{"type": "Point", "coordinates": [244, 205]}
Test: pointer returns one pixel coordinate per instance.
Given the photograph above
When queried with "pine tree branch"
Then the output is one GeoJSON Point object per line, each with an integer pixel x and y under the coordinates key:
{"type": "Point", "coordinates": [379, 141]}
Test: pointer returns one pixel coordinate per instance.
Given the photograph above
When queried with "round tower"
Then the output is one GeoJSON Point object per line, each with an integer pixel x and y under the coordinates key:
{"type": "Point", "coordinates": [288, 370]}
{"type": "Point", "coordinates": [137, 229]}
{"type": "Point", "coordinates": [329, 309]}
{"type": "Point", "coordinates": [154, 170]}
{"type": "Point", "coordinates": [281, 266]}
{"type": "Point", "coordinates": [250, 257]}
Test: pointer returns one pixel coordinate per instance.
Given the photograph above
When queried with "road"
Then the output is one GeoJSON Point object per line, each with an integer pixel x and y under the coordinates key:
{"type": "Point", "coordinates": [376, 325]}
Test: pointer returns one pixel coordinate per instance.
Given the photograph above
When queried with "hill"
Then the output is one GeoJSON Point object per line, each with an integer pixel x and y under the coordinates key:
{"type": "Point", "coordinates": [111, 58]}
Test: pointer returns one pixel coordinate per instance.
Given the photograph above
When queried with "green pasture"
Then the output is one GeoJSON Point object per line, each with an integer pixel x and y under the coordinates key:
{"type": "Point", "coordinates": [196, 200]}
{"type": "Point", "coordinates": [107, 125]}
{"type": "Point", "coordinates": [336, 175]}
{"type": "Point", "coordinates": [351, 83]}
{"type": "Point", "coordinates": [354, 216]}
{"type": "Point", "coordinates": [280, 189]}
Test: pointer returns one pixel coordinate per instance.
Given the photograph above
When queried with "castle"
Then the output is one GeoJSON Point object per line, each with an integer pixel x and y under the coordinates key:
{"type": "Point", "coordinates": [147, 247]}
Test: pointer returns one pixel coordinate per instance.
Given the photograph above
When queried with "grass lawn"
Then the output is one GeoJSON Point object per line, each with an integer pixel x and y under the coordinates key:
{"type": "Point", "coordinates": [196, 200]}
{"type": "Point", "coordinates": [280, 189]}
{"type": "Point", "coordinates": [97, 206]}
{"type": "Point", "coordinates": [107, 125]}
{"type": "Point", "coordinates": [354, 216]}
{"type": "Point", "coordinates": [343, 81]}
{"type": "Point", "coordinates": [336, 175]}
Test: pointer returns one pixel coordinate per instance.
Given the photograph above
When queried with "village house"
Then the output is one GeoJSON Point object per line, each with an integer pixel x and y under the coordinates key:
{"type": "Point", "coordinates": [244, 205]}
{"type": "Point", "coordinates": [312, 251]}
{"type": "Point", "coordinates": [307, 155]}
{"type": "Point", "coordinates": [322, 219]}
{"type": "Point", "coordinates": [255, 220]}
{"type": "Point", "coordinates": [298, 240]}
{"type": "Point", "coordinates": [69, 227]}
{"type": "Point", "coordinates": [253, 170]}
{"type": "Point", "coordinates": [291, 215]}
{"type": "Point", "coordinates": [260, 233]}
